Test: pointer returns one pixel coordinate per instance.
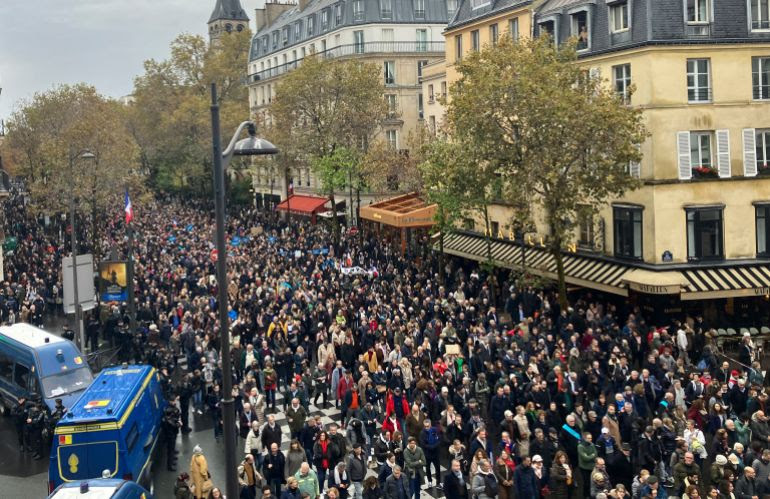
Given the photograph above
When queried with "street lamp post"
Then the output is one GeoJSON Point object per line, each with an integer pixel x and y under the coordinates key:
{"type": "Point", "coordinates": [81, 340]}
{"type": "Point", "coordinates": [251, 146]}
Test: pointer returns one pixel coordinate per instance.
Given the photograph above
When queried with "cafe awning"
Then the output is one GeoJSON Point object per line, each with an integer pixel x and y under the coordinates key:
{"type": "Point", "coordinates": [303, 204]}
{"type": "Point", "coordinates": [690, 282]}
{"type": "Point", "coordinates": [408, 210]}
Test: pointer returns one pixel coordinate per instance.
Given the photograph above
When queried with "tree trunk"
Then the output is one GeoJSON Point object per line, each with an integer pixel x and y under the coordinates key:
{"type": "Point", "coordinates": [335, 224]}
{"type": "Point", "coordinates": [562, 283]}
{"type": "Point", "coordinates": [487, 235]}
{"type": "Point", "coordinates": [441, 257]}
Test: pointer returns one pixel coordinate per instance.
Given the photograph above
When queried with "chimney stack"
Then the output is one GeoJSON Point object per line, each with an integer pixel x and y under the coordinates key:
{"type": "Point", "coordinates": [303, 4]}
{"type": "Point", "coordinates": [260, 19]}
{"type": "Point", "coordinates": [275, 9]}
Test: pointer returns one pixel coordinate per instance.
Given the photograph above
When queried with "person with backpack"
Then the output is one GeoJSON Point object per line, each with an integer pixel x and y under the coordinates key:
{"type": "Point", "coordinates": [484, 484]}
{"type": "Point", "coordinates": [429, 442]}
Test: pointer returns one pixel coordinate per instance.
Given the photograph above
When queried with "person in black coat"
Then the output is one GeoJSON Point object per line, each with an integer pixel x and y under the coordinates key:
{"type": "Point", "coordinates": [273, 469]}
{"type": "Point", "coordinates": [524, 479]}
{"type": "Point", "coordinates": [620, 468]}
{"type": "Point", "coordinates": [271, 433]}
{"type": "Point", "coordinates": [455, 484]}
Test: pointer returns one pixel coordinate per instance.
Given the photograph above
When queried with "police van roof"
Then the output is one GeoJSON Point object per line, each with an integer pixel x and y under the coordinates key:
{"type": "Point", "coordinates": [29, 335]}
{"type": "Point", "coordinates": [111, 396]}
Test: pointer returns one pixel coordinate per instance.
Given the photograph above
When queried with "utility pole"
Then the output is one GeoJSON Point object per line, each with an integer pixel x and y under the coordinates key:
{"type": "Point", "coordinates": [81, 337]}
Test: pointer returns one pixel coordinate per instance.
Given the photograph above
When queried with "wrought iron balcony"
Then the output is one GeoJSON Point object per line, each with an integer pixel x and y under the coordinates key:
{"type": "Point", "coordinates": [354, 49]}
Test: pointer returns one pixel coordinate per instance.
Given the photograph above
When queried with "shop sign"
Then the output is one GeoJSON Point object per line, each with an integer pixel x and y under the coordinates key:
{"type": "Point", "coordinates": [655, 289]}
{"type": "Point", "coordinates": [762, 291]}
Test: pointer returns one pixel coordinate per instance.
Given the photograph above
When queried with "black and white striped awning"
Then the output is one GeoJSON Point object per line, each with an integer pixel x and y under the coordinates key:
{"type": "Point", "coordinates": [726, 282]}
{"type": "Point", "coordinates": [581, 270]}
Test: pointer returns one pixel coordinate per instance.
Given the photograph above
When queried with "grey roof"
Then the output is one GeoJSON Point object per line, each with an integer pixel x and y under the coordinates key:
{"type": "Point", "coordinates": [402, 12]}
{"type": "Point", "coordinates": [465, 14]}
{"type": "Point", "coordinates": [229, 10]}
{"type": "Point", "coordinates": [551, 5]}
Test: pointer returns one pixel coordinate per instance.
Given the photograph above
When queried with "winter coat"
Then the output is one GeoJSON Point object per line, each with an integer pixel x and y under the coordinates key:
{"type": "Point", "coordinates": [294, 459]}
{"type": "Point", "coordinates": [199, 474]}
{"type": "Point", "coordinates": [392, 484]}
{"type": "Point", "coordinates": [414, 463]}
{"type": "Point", "coordinates": [558, 485]}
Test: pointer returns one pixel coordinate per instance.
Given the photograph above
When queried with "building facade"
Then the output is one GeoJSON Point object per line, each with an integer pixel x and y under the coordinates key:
{"type": "Point", "coordinates": [227, 16]}
{"type": "Point", "coordinates": [400, 36]}
{"type": "Point", "coordinates": [696, 235]}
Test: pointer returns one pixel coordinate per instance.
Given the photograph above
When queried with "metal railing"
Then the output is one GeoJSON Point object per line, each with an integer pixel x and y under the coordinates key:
{"type": "Point", "coordinates": [699, 94]}
{"type": "Point", "coordinates": [351, 50]}
{"type": "Point", "coordinates": [761, 24]}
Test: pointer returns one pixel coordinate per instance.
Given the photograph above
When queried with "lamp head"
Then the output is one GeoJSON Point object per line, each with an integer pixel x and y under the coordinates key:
{"type": "Point", "coordinates": [253, 145]}
{"type": "Point", "coordinates": [87, 155]}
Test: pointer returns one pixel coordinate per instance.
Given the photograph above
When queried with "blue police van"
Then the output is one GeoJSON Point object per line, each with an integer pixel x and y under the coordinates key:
{"type": "Point", "coordinates": [101, 488]}
{"type": "Point", "coordinates": [112, 430]}
{"type": "Point", "coordinates": [35, 362]}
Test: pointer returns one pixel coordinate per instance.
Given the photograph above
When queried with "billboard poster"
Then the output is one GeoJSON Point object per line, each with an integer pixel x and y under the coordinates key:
{"type": "Point", "coordinates": [113, 278]}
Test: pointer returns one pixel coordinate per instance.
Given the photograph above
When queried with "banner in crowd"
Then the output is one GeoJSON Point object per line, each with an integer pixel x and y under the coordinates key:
{"type": "Point", "coordinates": [113, 279]}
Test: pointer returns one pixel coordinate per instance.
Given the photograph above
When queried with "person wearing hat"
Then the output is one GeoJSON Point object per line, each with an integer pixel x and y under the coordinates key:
{"type": "Point", "coordinates": [182, 487]}
{"type": "Point", "coordinates": [717, 472]}
{"type": "Point", "coordinates": [199, 474]}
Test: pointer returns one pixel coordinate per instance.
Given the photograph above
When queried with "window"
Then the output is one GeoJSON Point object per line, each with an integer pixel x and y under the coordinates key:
{"type": "Point", "coordinates": [493, 34]}
{"type": "Point", "coordinates": [338, 14]}
{"type": "Point", "coordinates": [698, 11]}
{"type": "Point", "coordinates": [323, 47]}
{"type": "Point", "coordinates": [443, 88]}
{"type": "Point", "coordinates": [420, 109]}
{"type": "Point", "coordinates": [303, 52]}
{"type": "Point", "coordinates": [387, 35]}
{"type": "Point", "coordinates": [21, 376]}
{"type": "Point", "coordinates": [132, 437]}
{"type": "Point", "coordinates": [586, 229]}
{"type": "Point", "coordinates": [386, 9]}
{"type": "Point", "coordinates": [704, 234]}
{"type": "Point", "coordinates": [431, 95]}
{"type": "Point", "coordinates": [325, 19]}
{"type": "Point", "coordinates": [392, 137]}
{"type": "Point", "coordinates": [458, 47]}
{"type": "Point", "coordinates": [700, 151]}
{"type": "Point", "coordinates": [390, 100]}
{"type": "Point", "coordinates": [432, 124]}
{"type": "Point", "coordinates": [619, 17]}
{"type": "Point", "coordinates": [579, 27]}
{"type": "Point", "coordinates": [698, 80]}
{"type": "Point", "coordinates": [6, 368]}
{"type": "Point", "coordinates": [475, 40]}
{"type": "Point", "coordinates": [422, 40]}
{"type": "Point", "coordinates": [419, 9]}
{"type": "Point", "coordinates": [760, 77]}
{"type": "Point", "coordinates": [760, 14]}
{"type": "Point", "coordinates": [763, 230]}
{"type": "Point", "coordinates": [420, 65]}
{"type": "Point", "coordinates": [275, 39]}
{"type": "Point", "coordinates": [285, 37]}
{"type": "Point", "coordinates": [310, 25]}
{"type": "Point", "coordinates": [762, 142]}
{"type": "Point", "coordinates": [228, 27]}
{"type": "Point", "coordinates": [627, 223]}
{"type": "Point", "coordinates": [494, 228]}
{"type": "Point", "coordinates": [475, 4]}
{"type": "Point", "coordinates": [358, 41]}
{"type": "Point", "coordinates": [358, 10]}
{"type": "Point", "coordinates": [298, 30]}
{"type": "Point", "coordinates": [622, 74]}
{"type": "Point", "coordinates": [390, 72]}
{"type": "Point", "coordinates": [451, 7]}
{"type": "Point", "coordinates": [548, 28]}
{"type": "Point", "coordinates": [513, 28]}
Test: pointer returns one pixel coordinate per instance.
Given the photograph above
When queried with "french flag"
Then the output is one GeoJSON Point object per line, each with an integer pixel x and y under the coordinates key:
{"type": "Point", "coordinates": [129, 209]}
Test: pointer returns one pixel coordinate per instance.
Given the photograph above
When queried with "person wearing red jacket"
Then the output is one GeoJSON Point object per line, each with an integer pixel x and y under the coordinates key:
{"type": "Point", "coordinates": [397, 405]}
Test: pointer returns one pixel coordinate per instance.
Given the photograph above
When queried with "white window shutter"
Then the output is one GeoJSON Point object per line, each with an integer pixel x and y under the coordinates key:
{"type": "Point", "coordinates": [749, 152]}
{"type": "Point", "coordinates": [723, 153]}
{"type": "Point", "coordinates": [683, 148]}
{"type": "Point", "coordinates": [635, 169]}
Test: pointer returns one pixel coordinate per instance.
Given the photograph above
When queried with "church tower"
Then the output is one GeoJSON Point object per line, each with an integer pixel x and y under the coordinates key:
{"type": "Point", "coordinates": [228, 16]}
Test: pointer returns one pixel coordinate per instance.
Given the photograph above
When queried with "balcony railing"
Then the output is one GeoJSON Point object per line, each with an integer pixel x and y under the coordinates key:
{"type": "Point", "coordinates": [760, 24]}
{"type": "Point", "coordinates": [354, 49]}
{"type": "Point", "coordinates": [695, 95]}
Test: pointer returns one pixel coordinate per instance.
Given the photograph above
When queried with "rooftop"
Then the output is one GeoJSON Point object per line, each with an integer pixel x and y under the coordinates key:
{"type": "Point", "coordinates": [228, 10]}
{"type": "Point", "coordinates": [29, 335]}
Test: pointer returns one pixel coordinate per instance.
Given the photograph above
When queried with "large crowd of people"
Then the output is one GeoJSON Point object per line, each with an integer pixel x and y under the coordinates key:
{"type": "Point", "coordinates": [450, 378]}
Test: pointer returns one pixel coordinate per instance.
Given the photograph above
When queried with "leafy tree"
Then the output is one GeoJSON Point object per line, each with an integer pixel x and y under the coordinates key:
{"type": "Point", "coordinates": [554, 135]}
{"type": "Point", "coordinates": [48, 152]}
{"type": "Point", "coordinates": [383, 169]}
{"type": "Point", "coordinates": [170, 118]}
{"type": "Point", "coordinates": [323, 106]}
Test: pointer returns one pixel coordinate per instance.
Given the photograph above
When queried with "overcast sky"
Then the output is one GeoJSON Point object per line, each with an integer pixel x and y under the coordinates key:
{"type": "Point", "coordinates": [100, 42]}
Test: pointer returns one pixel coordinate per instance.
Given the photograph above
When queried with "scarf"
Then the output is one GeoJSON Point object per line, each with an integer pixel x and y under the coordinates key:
{"type": "Point", "coordinates": [324, 461]}
{"type": "Point", "coordinates": [571, 431]}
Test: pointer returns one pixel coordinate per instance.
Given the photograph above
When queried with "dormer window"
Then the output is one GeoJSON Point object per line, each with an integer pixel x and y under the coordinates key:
{"type": "Point", "coordinates": [298, 30]}
{"type": "Point", "coordinates": [386, 9]}
{"type": "Point", "coordinates": [476, 4]}
{"type": "Point", "coordinates": [760, 14]}
{"type": "Point", "coordinates": [579, 29]}
{"type": "Point", "coordinates": [275, 39]}
{"type": "Point", "coordinates": [285, 37]}
{"type": "Point", "coordinates": [310, 27]}
{"type": "Point", "coordinates": [325, 19]}
{"type": "Point", "coordinates": [419, 9]}
{"type": "Point", "coordinates": [358, 10]}
{"type": "Point", "coordinates": [338, 14]}
{"type": "Point", "coordinates": [451, 7]}
{"type": "Point", "coordinates": [698, 16]}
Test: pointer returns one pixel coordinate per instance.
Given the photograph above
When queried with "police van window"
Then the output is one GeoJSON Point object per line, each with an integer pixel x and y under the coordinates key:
{"type": "Point", "coordinates": [34, 385]}
{"type": "Point", "coordinates": [6, 368]}
{"type": "Point", "coordinates": [132, 437]}
{"type": "Point", "coordinates": [21, 376]}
